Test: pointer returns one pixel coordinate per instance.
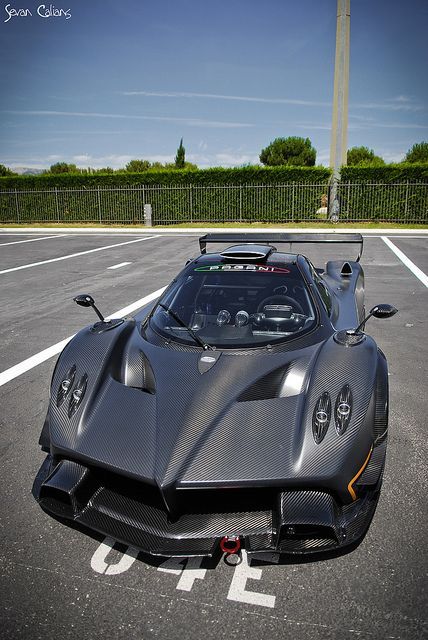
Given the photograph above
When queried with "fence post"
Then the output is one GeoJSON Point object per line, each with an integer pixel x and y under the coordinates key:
{"type": "Point", "coordinates": [191, 203]}
{"type": "Point", "coordinates": [17, 206]}
{"type": "Point", "coordinates": [99, 204]}
{"type": "Point", "coordinates": [407, 200]}
{"type": "Point", "coordinates": [292, 201]}
{"type": "Point", "coordinates": [240, 203]}
{"type": "Point", "coordinates": [348, 198]}
{"type": "Point", "coordinates": [56, 204]}
{"type": "Point", "coordinates": [148, 215]}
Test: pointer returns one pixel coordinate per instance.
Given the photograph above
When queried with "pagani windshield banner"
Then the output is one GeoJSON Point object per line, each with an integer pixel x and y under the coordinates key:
{"type": "Point", "coordinates": [258, 268]}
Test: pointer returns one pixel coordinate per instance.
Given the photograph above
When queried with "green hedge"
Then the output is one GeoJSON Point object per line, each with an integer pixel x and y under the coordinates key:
{"type": "Point", "coordinates": [250, 194]}
{"type": "Point", "coordinates": [223, 195]}
{"type": "Point", "coordinates": [391, 193]}
{"type": "Point", "coordinates": [405, 172]}
{"type": "Point", "coordinates": [216, 176]}
{"type": "Point", "coordinates": [170, 203]}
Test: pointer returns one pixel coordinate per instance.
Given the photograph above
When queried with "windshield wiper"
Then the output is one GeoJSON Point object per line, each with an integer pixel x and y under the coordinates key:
{"type": "Point", "coordinates": [181, 322]}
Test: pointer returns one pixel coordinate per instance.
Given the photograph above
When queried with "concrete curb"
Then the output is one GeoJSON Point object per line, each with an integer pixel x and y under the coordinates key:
{"type": "Point", "coordinates": [163, 230]}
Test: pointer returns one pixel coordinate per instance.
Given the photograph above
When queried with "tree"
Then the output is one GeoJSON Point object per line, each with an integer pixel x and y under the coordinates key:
{"type": "Point", "coordinates": [180, 158]}
{"type": "Point", "coordinates": [137, 166]}
{"type": "Point", "coordinates": [63, 167]}
{"type": "Point", "coordinates": [157, 166]}
{"type": "Point", "coordinates": [4, 171]}
{"type": "Point", "coordinates": [293, 151]}
{"type": "Point", "coordinates": [363, 155]}
{"type": "Point", "coordinates": [103, 170]}
{"type": "Point", "coordinates": [189, 166]}
{"type": "Point", "coordinates": [418, 153]}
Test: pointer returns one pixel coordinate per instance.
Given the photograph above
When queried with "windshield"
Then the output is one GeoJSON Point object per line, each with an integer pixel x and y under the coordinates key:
{"type": "Point", "coordinates": [236, 305]}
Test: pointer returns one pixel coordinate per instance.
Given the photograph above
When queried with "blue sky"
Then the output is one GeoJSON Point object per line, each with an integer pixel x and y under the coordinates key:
{"type": "Point", "coordinates": [127, 79]}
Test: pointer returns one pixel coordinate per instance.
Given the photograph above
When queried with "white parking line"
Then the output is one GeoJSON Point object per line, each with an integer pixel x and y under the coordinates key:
{"type": "Point", "coordinates": [42, 356]}
{"type": "Point", "coordinates": [74, 255]}
{"type": "Point", "coordinates": [4, 244]}
{"type": "Point", "coordinates": [118, 266]}
{"type": "Point", "coordinates": [406, 261]}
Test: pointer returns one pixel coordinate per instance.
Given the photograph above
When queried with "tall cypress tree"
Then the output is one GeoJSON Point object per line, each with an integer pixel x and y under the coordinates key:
{"type": "Point", "coordinates": [180, 156]}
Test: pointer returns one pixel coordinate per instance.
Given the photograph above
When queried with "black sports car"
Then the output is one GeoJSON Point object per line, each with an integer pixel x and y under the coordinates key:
{"type": "Point", "coordinates": [246, 407]}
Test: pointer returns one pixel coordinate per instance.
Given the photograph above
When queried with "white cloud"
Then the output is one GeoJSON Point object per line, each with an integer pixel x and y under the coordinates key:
{"type": "Point", "coordinates": [235, 159]}
{"type": "Point", "coordinates": [390, 156]}
{"type": "Point", "coordinates": [389, 106]}
{"type": "Point", "coordinates": [191, 122]}
{"type": "Point", "coordinates": [397, 103]}
{"type": "Point", "coordinates": [323, 157]}
{"type": "Point", "coordinates": [401, 98]}
{"type": "Point", "coordinates": [400, 125]}
{"type": "Point", "coordinates": [220, 96]}
{"type": "Point", "coordinates": [353, 116]}
{"type": "Point", "coordinates": [161, 158]}
{"type": "Point", "coordinates": [312, 127]}
{"type": "Point", "coordinates": [82, 158]}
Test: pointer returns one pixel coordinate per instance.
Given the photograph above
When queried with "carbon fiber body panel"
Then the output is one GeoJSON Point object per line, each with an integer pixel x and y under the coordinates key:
{"type": "Point", "coordinates": [287, 522]}
{"type": "Point", "coordinates": [161, 446]}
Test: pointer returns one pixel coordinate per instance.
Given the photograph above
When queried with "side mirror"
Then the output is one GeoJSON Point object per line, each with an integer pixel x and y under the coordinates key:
{"type": "Point", "coordinates": [379, 311]}
{"type": "Point", "coordinates": [84, 300]}
{"type": "Point", "coordinates": [383, 311]}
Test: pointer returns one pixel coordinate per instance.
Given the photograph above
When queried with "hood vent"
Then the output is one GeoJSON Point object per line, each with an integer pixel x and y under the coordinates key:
{"type": "Point", "coordinates": [248, 252]}
{"type": "Point", "coordinates": [265, 388]}
{"type": "Point", "coordinates": [148, 378]}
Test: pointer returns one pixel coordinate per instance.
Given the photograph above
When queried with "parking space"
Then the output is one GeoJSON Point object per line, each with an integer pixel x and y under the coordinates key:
{"type": "Point", "coordinates": [57, 581]}
{"type": "Point", "coordinates": [415, 249]}
{"type": "Point", "coordinates": [60, 249]}
{"type": "Point", "coordinates": [39, 298]}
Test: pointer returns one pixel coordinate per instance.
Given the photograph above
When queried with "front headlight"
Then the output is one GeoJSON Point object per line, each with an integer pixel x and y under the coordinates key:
{"type": "Point", "coordinates": [65, 386]}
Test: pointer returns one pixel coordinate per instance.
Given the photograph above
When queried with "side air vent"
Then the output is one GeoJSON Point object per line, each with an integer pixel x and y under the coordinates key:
{"type": "Point", "coordinates": [321, 417]}
{"type": "Point", "coordinates": [346, 270]}
{"type": "Point", "coordinates": [343, 409]}
{"type": "Point", "coordinates": [248, 252]}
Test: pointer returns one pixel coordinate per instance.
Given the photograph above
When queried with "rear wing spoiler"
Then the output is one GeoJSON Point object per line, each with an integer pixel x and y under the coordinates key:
{"type": "Point", "coordinates": [290, 238]}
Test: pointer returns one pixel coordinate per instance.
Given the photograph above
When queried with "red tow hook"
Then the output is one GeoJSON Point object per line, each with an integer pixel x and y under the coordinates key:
{"type": "Point", "coordinates": [230, 545]}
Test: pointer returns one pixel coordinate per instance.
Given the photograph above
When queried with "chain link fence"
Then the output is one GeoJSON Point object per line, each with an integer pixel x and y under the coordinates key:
{"type": "Point", "coordinates": [281, 203]}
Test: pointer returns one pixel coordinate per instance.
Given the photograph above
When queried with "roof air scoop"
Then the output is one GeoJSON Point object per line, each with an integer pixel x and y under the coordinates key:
{"type": "Point", "coordinates": [248, 252]}
{"type": "Point", "coordinates": [346, 269]}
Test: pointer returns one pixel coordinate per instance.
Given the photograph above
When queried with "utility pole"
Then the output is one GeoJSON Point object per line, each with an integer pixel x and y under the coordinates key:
{"type": "Point", "coordinates": [339, 130]}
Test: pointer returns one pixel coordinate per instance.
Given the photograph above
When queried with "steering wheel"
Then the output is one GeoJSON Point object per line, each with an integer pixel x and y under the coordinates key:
{"type": "Point", "coordinates": [281, 299]}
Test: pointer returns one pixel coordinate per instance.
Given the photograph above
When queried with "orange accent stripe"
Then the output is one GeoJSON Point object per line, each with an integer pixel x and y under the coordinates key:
{"type": "Point", "coordinates": [357, 475]}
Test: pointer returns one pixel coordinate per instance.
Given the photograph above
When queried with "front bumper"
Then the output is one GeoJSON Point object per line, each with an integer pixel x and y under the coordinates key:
{"type": "Point", "coordinates": [292, 521]}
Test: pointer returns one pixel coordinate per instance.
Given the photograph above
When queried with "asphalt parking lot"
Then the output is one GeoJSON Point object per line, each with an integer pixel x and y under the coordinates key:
{"type": "Point", "coordinates": [58, 582]}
